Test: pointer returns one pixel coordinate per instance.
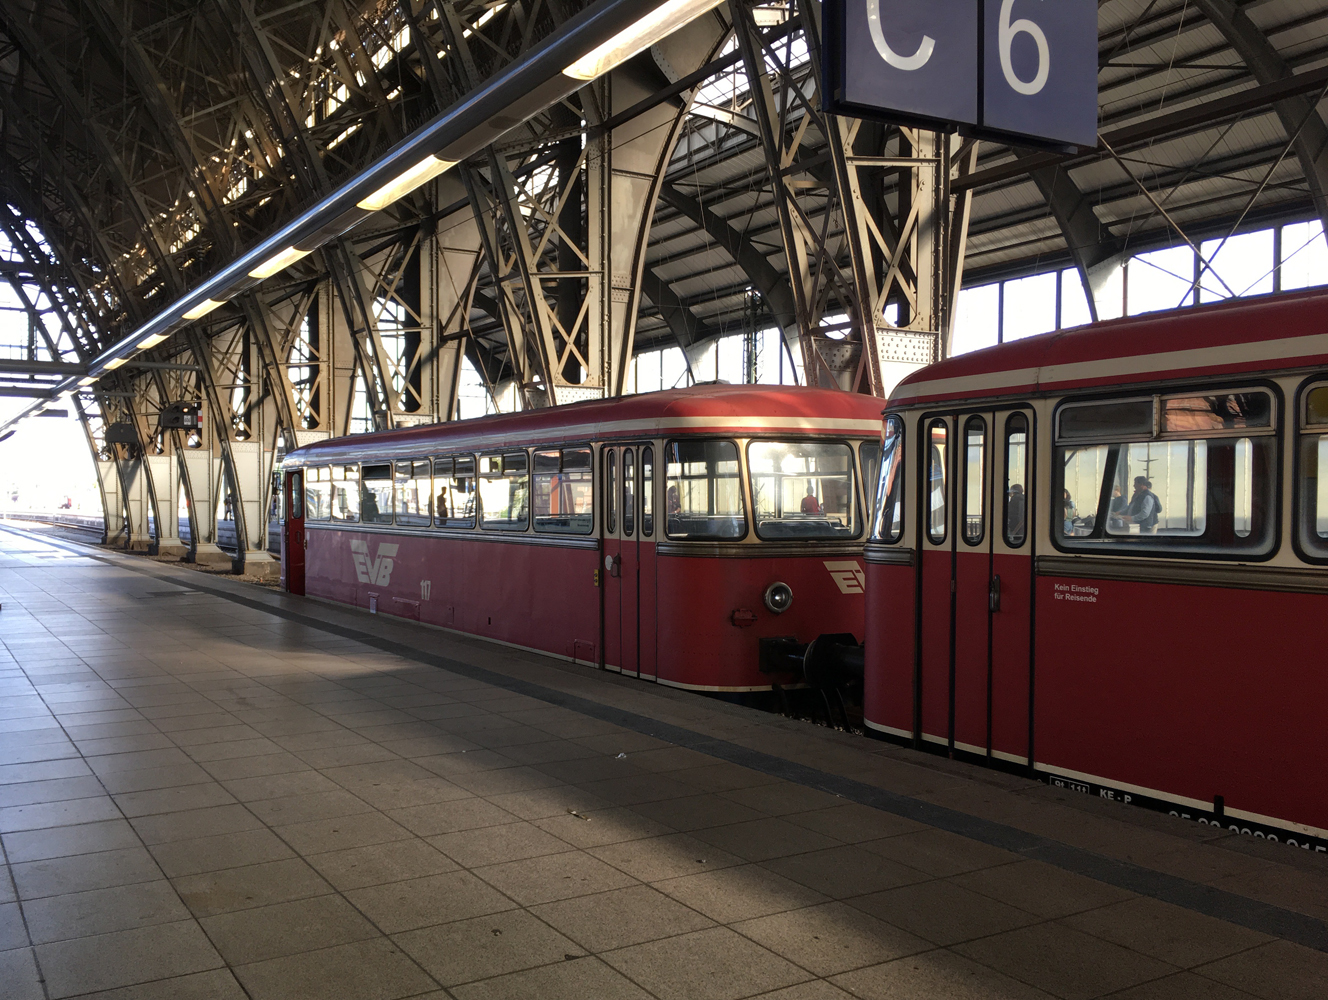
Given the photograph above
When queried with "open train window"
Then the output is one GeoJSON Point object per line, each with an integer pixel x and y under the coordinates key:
{"type": "Point", "coordinates": [889, 508]}
{"type": "Point", "coordinates": [376, 494]}
{"type": "Point", "coordinates": [505, 492]}
{"type": "Point", "coordinates": [564, 491]}
{"type": "Point", "coordinates": [454, 500]}
{"type": "Point", "coordinates": [703, 492]}
{"type": "Point", "coordinates": [345, 492]}
{"type": "Point", "coordinates": [317, 494]}
{"type": "Point", "coordinates": [1202, 477]}
{"type": "Point", "coordinates": [414, 487]}
{"type": "Point", "coordinates": [1312, 474]}
{"type": "Point", "coordinates": [803, 489]}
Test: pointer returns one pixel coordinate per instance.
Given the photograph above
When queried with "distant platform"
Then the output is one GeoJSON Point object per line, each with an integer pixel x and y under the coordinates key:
{"type": "Point", "coordinates": [213, 790]}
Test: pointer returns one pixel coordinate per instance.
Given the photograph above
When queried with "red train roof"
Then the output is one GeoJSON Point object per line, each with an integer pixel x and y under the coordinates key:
{"type": "Point", "coordinates": [718, 409]}
{"type": "Point", "coordinates": [1246, 335]}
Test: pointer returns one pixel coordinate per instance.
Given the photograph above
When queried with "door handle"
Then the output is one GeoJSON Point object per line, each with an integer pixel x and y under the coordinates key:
{"type": "Point", "coordinates": [994, 594]}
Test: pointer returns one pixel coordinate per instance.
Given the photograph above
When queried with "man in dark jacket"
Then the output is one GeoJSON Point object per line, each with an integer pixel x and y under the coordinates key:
{"type": "Point", "coordinates": [1145, 509]}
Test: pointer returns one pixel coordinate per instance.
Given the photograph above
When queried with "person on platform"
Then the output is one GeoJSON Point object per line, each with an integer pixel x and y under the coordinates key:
{"type": "Point", "coordinates": [810, 505]}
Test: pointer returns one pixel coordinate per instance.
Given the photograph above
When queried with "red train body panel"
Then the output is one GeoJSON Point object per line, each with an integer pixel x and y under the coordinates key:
{"type": "Point", "coordinates": [1119, 576]}
{"type": "Point", "coordinates": [659, 572]}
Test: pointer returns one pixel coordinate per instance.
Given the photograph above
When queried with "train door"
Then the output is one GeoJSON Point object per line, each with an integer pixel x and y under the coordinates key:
{"type": "Point", "coordinates": [974, 599]}
{"type": "Point", "coordinates": [292, 535]}
{"type": "Point", "coordinates": [629, 559]}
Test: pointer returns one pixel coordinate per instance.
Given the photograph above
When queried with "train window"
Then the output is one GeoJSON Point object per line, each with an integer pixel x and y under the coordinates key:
{"type": "Point", "coordinates": [975, 463]}
{"type": "Point", "coordinates": [296, 497]}
{"type": "Point", "coordinates": [1209, 485]}
{"type": "Point", "coordinates": [1114, 420]}
{"type": "Point", "coordinates": [1312, 502]}
{"type": "Point", "coordinates": [889, 508]}
{"type": "Point", "coordinates": [629, 492]}
{"type": "Point", "coordinates": [1016, 480]}
{"type": "Point", "coordinates": [504, 492]}
{"type": "Point", "coordinates": [413, 490]}
{"type": "Point", "coordinates": [703, 489]}
{"type": "Point", "coordinates": [936, 485]}
{"type": "Point", "coordinates": [870, 456]}
{"type": "Point", "coordinates": [564, 492]}
{"type": "Point", "coordinates": [647, 491]}
{"type": "Point", "coordinates": [803, 489]}
{"type": "Point", "coordinates": [376, 494]}
{"type": "Point", "coordinates": [317, 494]}
{"type": "Point", "coordinates": [346, 492]}
{"type": "Point", "coordinates": [454, 503]}
{"type": "Point", "coordinates": [611, 491]}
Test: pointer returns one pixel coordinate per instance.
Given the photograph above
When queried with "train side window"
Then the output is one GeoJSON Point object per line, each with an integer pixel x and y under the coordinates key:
{"type": "Point", "coordinates": [317, 494]}
{"type": "Point", "coordinates": [564, 492]}
{"type": "Point", "coordinates": [296, 497]}
{"type": "Point", "coordinates": [504, 492]}
{"type": "Point", "coordinates": [454, 479]}
{"type": "Point", "coordinates": [346, 492]}
{"type": "Point", "coordinates": [936, 485]}
{"type": "Point", "coordinates": [629, 492]}
{"type": "Point", "coordinates": [803, 489]}
{"type": "Point", "coordinates": [1203, 477]}
{"type": "Point", "coordinates": [647, 491]}
{"type": "Point", "coordinates": [376, 494]}
{"type": "Point", "coordinates": [611, 491]}
{"type": "Point", "coordinates": [975, 465]}
{"type": "Point", "coordinates": [1016, 480]}
{"type": "Point", "coordinates": [414, 487]}
{"type": "Point", "coordinates": [1312, 502]}
{"type": "Point", "coordinates": [888, 511]}
{"type": "Point", "coordinates": [703, 491]}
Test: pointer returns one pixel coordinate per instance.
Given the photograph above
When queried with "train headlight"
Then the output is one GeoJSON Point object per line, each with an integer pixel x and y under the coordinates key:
{"type": "Point", "coordinates": [778, 598]}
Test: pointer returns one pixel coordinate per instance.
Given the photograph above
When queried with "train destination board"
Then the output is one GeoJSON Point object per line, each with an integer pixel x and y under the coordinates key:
{"type": "Point", "coordinates": [1016, 70]}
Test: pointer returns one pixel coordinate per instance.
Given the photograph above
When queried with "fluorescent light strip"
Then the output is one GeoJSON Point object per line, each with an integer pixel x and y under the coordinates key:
{"type": "Point", "coordinates": [152, 341]}
{"type": "Point", "coordinates": [278, 263]}
{"type": "Point", "coordinates": [202, 309]}
{"type": "Point", "coordinates": [114, 363]}
{"type": "Point", "coordinates": [659, 23]}
{"type": "Point", "coordinates": [406, 182]}
{"type": "Point", "coordinates": [87, 380]}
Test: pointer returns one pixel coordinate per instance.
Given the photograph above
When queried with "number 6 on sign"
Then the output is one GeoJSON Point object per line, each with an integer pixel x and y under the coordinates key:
{"type": "Point", "coordinates": [1006, 34]}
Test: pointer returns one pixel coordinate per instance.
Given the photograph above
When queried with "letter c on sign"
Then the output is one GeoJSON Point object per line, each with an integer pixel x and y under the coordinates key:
{"type": "Point", "coordinates": [917, 60]}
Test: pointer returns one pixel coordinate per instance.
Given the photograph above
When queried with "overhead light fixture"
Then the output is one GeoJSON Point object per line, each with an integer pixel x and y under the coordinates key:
{"type": "Point", "coordinates": [659, 23]}
{"type": "Point", "coordinates": [114, 363]}
{"type": "Point", "coordinates": [278, 263]}
{"type": "Point", "coordinates": [404, 183]}
{"type": "Point", "coordinates": [89, 380]}
{"type": "Point", "coordinates": [202, 309]}
{"type": "Point", "coordinates": [152, 341]}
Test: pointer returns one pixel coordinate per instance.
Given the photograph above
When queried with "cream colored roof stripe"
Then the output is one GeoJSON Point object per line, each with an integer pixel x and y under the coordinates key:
{"type": "Point", "coordinates": [1201, 357]}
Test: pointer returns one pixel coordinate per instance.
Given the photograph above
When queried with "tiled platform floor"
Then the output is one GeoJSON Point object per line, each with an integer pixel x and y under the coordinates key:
{"type": "Point", "coordinates": [226, 793]}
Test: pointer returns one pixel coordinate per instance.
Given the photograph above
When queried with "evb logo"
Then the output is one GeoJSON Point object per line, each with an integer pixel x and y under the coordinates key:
{"type": "Point", "coordinates": [378, 572]}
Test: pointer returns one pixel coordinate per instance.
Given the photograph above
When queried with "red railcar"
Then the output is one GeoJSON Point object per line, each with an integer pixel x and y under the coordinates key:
{"type": "Point", "coordinates": [1103, 554]}
{"type": "Point", "coordinates": [662, 535]}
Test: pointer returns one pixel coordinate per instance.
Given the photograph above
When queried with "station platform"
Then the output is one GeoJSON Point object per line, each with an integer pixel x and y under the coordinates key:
{"type": "Point", "coordinates": [209, 789]}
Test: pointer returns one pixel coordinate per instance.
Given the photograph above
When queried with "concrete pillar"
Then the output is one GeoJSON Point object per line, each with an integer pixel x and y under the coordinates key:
{"type": "Point", "coordinates": [166, 482]}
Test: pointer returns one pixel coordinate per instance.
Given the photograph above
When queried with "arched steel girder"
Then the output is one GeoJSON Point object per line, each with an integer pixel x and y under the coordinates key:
{"type": "Point", "coordinates": [1085, 237]}
{"type": "Point", "coordinates": [1300, 117]}
{"type": "Point", "coordinates": [767, 280]}
{"type": "Point", "coordinates": [688, 329]}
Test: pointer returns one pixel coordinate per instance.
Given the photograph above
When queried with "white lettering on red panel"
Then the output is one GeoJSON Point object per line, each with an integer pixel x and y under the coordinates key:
{"type": "Point", "coordinates": [848, 576]}
{"type": "Point", "coordinates": [378, 572]}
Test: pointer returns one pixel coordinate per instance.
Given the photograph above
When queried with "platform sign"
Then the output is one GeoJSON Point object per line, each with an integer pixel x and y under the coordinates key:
{"type": "Point", "coordinates": [1021, 70]}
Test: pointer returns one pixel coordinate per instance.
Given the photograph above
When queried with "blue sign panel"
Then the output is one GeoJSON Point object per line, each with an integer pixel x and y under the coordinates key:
{"type": "Point", "coordinates": [1040, 69]}
{"type": "Point", "coordinates": [1011, 69]}
{"type": "Point", "coordinates": [912, 59]}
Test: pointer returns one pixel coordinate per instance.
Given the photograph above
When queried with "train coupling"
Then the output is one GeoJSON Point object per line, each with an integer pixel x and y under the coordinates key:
{"type": "Point", "coordinates": [831, 660]}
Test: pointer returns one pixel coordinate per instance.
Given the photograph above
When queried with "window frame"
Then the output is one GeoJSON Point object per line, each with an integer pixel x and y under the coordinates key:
{"type": "Point", "coordinates": [474, 478]}
{"type": "Point", "coordinates": [392, 484]}
{"type": "Point", "coordinates": [647, 490]}
{"type": "Point", "coordinates": [744, 490]}
{"type": "Point", "coordinates": [965, 487]}
{"type": "Point", "coordinates": [898, 457]}
{"type": "Point", "coordinates": [561, 450]}
{"type": "Point", "coordinates": [1185, 547]}
{"type": "Point", "coordinates": [481, 475]}
{"type": "Point", "coordinates": [1302, 430]}
{"type": "Point", "coordinates": [427, 520]}
{"type": "Point", "coordinates": [334, 480]}
{"type": "Point", "coordinates": [856, 516]}
{"type": "Point", "coordinates": [925, 511]}
{"type": "Point", "coordinates": [325, 470]}
{"type": "Point", "coordinates": [1006, 434]}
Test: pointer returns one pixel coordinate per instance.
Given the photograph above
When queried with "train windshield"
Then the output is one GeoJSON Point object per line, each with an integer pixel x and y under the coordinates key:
{"type": "Point", "coordinates": [1203, 476]}
{"type": "Point", "coordinates": [803, 489]}
{"type": "Point", "coordinates": [703, 496]}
